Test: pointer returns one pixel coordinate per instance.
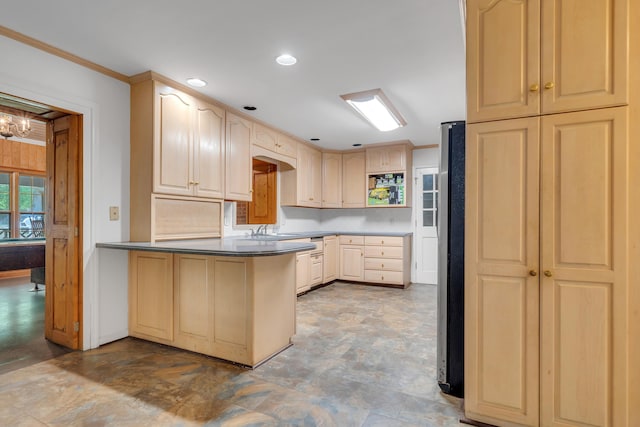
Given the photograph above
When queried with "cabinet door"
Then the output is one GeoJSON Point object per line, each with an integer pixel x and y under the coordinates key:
{"type": "Point", "coordinates": [351, 263]}
{"type": "Point", "coordinates": [239, 164]}
{"type": "Point", "coordinates": [303, 271]}
{"type": "Point", "coordinates": [309, 177]}
{"type": "Point", "coordinates": [354, 189]}
{"type": "Point", "coordinates": [501, 272]}
{"type": "Point", "coordinates": [386, 159]}
{"type": "Point", "coordinates": [316, 269]}
{"type": "Point", "coordinates": [172, 154]}
{"type": "Point", "coordinates": [584, 54]}
{"type": "Point", "coordinates": [503, 59]}
{"type": "Point", "coordinates": [151, 295]}
{"type": "Point", "coordinates": [331, 180]}
{"type": "Point", "coordinates": [208, 153]}
{"type": "Point", "coordinates": [286, 146]}
{"type": "Point", "coordinates": [264, 137]}
{"type": "Point", "coordinates": [584, 285]}
{"type": "Point", "coordinates": [193, 302]}
{"type": "Point", "coordinates": [330, 264]}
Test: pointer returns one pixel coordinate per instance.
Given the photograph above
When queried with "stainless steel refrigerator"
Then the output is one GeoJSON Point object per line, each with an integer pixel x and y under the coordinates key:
{"type": "Point", "coordinates": [451, 259]}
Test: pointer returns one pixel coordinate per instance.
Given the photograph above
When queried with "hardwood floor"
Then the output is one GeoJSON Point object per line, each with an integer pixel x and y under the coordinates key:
{"type": "Point", "coordinates": [22, 340]}
{"type": "Point", "coordinates": [362, 356]}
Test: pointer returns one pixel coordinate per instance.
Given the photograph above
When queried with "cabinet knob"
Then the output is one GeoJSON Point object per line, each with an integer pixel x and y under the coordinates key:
{"type": "Point", "coordinates": [534, 87]}
{"type": "Point", "coordinates": [547, 273]}
{"type": "Point", "coordinates": [382, 253]}
{"type": "Point", "coordinates": [533, 273]}
{"type": "Point", "coordinates": [382, 265]}
{"type": "Point", "coordinates": [549, 85]}
{"type": "Point", "coordinates": [191, 182]}
{"type": "Point", "coordinates": [382, 241]}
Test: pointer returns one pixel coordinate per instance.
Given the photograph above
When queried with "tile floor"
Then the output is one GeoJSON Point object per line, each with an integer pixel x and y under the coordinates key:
{"type": "Point", "coordinates": [363, 356]}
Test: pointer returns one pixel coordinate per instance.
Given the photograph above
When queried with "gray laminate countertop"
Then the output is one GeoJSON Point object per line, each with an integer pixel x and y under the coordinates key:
{"type": "Point", "coordinates": [316, 234]}
{"type": "Point", "coordinates": [218, 247]}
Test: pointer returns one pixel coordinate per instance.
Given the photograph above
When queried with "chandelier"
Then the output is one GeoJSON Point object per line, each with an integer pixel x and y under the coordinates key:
{"type": "Point", "coordinates": [8, 128]}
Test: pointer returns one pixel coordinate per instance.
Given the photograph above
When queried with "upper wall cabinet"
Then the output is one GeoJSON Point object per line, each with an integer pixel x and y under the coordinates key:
{"type": "Point", "coordinates": [545, 56]}
{"type": "Point", "coordinates": [188, 150]}
{"type": "Point", "coordinates": [273, 141]}
{"type": "Point", "coordinates": [239, 162]}
{"type": "Point", "coordinates": [208, 151]}
{"type": "Point", "coordinates": [387, 159]}
{"type": "Point", "coordinates": [303, 186]}
{"type": "Point", "coordinates": [331, 180]}
{"type": "Point", "coordinates": [177, 164]}
{"type": "Point", "coordinates": [354, 188]}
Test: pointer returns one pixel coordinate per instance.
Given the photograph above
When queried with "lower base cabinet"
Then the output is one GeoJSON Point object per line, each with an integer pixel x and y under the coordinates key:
{"type": "Point", "coordinates": [234, 308]}
{"type": "Point", "coordinates": [351, 258]}
{"type": "Point", "coordinates": [303, 272]}
{"type": "Point", "coordinates": [376, 259]}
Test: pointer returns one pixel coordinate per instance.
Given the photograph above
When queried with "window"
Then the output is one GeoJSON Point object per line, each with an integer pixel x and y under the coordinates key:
{"type": "Point", "coordinates": [5, 205]}
{"type": "Point", "coordinates": [429, 200]}
{"type": "Point", "coordinates": [22, 205]}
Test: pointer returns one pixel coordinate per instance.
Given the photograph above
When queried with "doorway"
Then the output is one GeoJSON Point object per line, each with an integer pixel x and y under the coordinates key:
{"type": "Point", "coordinates": [59, 315]}
{"type": "Point", "coordinates": [426, 232]}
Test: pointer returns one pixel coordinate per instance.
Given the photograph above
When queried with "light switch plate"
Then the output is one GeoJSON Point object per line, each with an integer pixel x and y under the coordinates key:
{"type": "Point", "coordinates": [114, 213]}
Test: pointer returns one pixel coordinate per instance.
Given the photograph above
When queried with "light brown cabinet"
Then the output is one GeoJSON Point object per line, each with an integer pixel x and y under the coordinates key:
{"type": "Point", "coordinates": [273, 141]}
{"type": "Point", "coordinates": [331, 260]}
{"type": "Point", "coordinates": [188, 153]}
{"type": "Point", "coordinates": [387, 159]}
{"type": "Point", "coordinates": [351, 258]}
{"type": "Point", "coordinates": [544, 186]}
{"type": "Point", "coordinates": [177, 163]}
{"type": "Point", "coordinates": [234, 308]}
{"type": "Point", "coordinates": [303, 272]}
{"type": "Point", "coordinates": [548, 195]}
{"type": "Point", "coordinates": [387, 260]}
{"type": "Point", "coordinates": [193, 307]}
{"type": "Point", "coordinates": [545, 56]}
{"type": "Point", "coordinates": [303, 186]}
{"type": "Point", "coordinates": [239, 166]}
{"type": "Point", "coordinates": [331, 180]}
{"type": "Point", "coordinates": [354, 187]}
{"type": "Point", "coordinates": [151, 295]}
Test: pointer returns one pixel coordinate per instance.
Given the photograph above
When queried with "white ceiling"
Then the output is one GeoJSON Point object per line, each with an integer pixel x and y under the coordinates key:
{"type": "Point", "coordinates": [412, 49]}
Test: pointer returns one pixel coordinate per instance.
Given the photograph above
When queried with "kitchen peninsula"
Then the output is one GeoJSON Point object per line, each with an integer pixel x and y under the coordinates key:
{"type": "Point", "coordinates": [228, 298]}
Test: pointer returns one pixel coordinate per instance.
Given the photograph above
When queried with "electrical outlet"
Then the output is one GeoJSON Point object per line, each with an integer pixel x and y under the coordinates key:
{"type": "Point", "coordinates": [114, 213]}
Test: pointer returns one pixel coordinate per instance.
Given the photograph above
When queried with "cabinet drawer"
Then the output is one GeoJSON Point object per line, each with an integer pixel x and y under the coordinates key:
{"type": "Point", "coordinates": [383, 264]}
{"type": "Point", "coordinates": [383, 251]}
{"type": "Point", "coordinates": [352, 240]}
{"type": "Point", "coordinates": [378, 276]}
{"type": "Point", "coordinates": [383, 240]}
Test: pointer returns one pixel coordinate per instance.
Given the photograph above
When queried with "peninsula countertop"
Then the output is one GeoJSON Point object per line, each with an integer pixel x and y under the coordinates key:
{"type": "Point", "coordinates": [239, 247]}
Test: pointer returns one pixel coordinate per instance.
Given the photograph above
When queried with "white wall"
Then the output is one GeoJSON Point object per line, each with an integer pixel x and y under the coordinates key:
{"type": "Point", "coordinates": [426, 157]}
{"type": "Point", "coordinates": [104, 104]}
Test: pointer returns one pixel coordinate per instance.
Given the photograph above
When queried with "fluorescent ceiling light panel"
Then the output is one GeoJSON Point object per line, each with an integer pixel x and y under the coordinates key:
{"type": "Point", "coordinates": [376, 108]}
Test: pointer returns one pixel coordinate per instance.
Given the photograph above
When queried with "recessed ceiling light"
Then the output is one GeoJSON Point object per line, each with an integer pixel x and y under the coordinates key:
{"type": "Point", "coordinates": [314, 139]}
{"type": "Point", "coordinates": [196, 82]}
{"type": "Point", "coordinates": [250, 108]}
{"type": "Point", "coordinates": [286, 59]}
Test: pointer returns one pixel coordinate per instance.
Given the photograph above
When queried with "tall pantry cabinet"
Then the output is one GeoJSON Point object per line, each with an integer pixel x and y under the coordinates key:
{"type": "Point", "coordinates": [551, 287]}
